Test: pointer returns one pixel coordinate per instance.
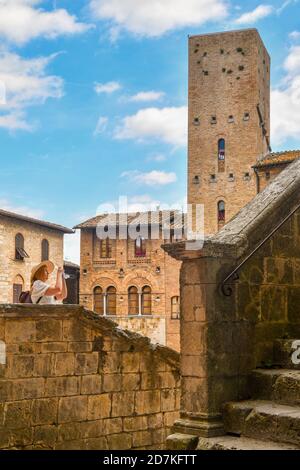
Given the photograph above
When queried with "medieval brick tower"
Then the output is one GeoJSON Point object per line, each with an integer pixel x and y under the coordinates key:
{"type": "Point", "coordinates": [229, 121]}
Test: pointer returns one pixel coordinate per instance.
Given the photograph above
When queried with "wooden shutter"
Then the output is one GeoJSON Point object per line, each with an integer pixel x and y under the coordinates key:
{"type": "Point", "coordinates": [111, 308]}
{"type": "Point", "coordinates": [133, 301]}
{"type": "Point", "coordinates": [98, 301]}
{"type": "Point", "coordinates": [146, 301]}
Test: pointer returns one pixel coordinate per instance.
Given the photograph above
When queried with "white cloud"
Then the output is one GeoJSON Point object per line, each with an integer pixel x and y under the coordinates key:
{"type": "Point", "coordinates": [285, 101]}
{"type": "Point", "coordinates": [156, 17]}
{"type": "Point", "coordinates": [286, 4]}
{"type": "Point", "coordinates": [252, 17]}
{"type": "Point", "coordinates": [72, 247]}
{"type": "Point", "coordinates": [21, 210]}
{"type": "Point", "coordinates": [152, 178]}
{"type": "Point", "coordinates": [292, 62]}
{"type": "Point", "coordinates": [109, 87]}
{"type": "Point", "coordinates": [21, 21]}
{"type": "Point", "coordinates": [159, 157]}
{"type": "Point", "coordinates": [144, 96]}
{"type": "Point", "coordinates": [14, 121]}
{"type": "Point", "coordinates": [101, 125]}
{"type": "Point", "coordinates": [294, 35]}
{"type": "Point", "coordinates": [166, 124]}
{"type": "Point", "coordinates": [26, 84]}
{"type": "Point", "coordinates": [126, 204]}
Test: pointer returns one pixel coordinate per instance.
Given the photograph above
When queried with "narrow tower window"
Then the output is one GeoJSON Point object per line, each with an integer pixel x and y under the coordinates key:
{"type": "Point", "coordinates": [45, 250]}
{"type": "Point", "coordinates": [221, 214]}
{"type": "Point", "coordinates": [221, 155]}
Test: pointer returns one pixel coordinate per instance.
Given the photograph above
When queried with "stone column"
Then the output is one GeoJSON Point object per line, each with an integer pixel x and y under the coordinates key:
{"type": "Point", "coordinates": [209, 344]}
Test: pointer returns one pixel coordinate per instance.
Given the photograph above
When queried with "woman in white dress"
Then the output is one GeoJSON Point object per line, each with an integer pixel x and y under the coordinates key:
{"type": "Point", "coordinates": [42, 292]}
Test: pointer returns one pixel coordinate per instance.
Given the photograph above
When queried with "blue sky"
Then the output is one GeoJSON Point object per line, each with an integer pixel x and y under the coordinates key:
{"type": "Point", "coordinates": [93, 98]}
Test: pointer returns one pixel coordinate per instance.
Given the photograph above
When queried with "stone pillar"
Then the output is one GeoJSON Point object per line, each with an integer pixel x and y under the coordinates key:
{"type": "Point", "coordinates": [209, 345]}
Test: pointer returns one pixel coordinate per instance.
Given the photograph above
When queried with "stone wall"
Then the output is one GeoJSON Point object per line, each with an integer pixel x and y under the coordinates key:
{"type": "Point", "coordinates": [268, 292]}
{"type": "Point", "coordinates": [229, 329]}
{"type": "Point", "coordinates": [73, 380]}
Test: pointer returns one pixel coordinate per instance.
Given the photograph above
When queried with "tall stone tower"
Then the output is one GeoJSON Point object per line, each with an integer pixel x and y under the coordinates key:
{"type": "Point", "coordinates": [229, 121]}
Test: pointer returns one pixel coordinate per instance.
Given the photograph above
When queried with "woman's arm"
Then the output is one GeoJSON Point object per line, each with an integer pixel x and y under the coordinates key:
{"type": "Point", "coordinates": [64, 292]}
{"type": "Point", "coordinates": [57, 290]}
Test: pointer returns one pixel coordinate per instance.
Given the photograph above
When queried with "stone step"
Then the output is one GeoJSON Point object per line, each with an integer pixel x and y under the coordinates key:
{"type": "Point", "coordinates": [264, 420]}
{"type": "Point", "coordinates": [279, 385]}
{"type": "Point", "coordinates": [283, 351]}
{"type": "Point", "coordinates": [240, 443]}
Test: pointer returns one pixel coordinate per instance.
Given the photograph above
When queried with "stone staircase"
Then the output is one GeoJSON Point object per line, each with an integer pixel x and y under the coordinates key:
{"type": "Point", "coordinates": [271, 419]}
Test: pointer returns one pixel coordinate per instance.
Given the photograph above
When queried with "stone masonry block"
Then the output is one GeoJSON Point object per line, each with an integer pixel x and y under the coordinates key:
{"type": "Point", "coordinates": [86, 363]}
{"type": "Point", "coordinates": [99, 406]}
{"type": "Point", "coordinates": [122, 404]}
{"type": "Point", "coordinates": [44, 411]}
{"type": "Point", "coordinates": [72, 409]}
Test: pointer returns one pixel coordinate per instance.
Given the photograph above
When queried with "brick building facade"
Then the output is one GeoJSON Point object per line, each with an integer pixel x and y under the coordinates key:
{"type": "Point", "coordinates": [131, 280]}
{"type": "Point", "coordinates": [24, 243]}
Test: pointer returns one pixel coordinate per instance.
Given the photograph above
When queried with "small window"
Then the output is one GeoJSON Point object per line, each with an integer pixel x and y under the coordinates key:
{"type": "Point", "coordinates": [106, 248]}
{"type": "Point", "coordinates": [111, 301]}
{"type": "Point", "coordinates": [140, 247]}
{"type": "Point", "coordinates": [98, 300]}
{"type": "Point", "coordinates": [146, 301]}
{"type": "Point", "coordinates": [221, 213]}
{"type": "Point", "coordinates": [213, 178]}
{"type": "Point", "coordinates": [45, 250]}
{"type": "Point", "coordinates": [17, 288]}
{"type": "Point", "coordinates": [241, 67]}
{"type": "Point", "coordinates": [20, 253]}
{"type": "Point", "coordinates": [229, 72]}
{"type": "Point", "coordinates": [230, 118]}
{"type": "Point", "coordinates": [204, 54]}
{"type": "Point", "coordinates": [268, 175]}
{"type": "Point", "coordinates": [221, 51]}
{"type": "Point", "coordinates": [231, 177]}
{"type": "Point", "coordinates": [221, 155]}
{"type": "Point", "coordinates": [196, 121]}
{"type": "Point", "coordinates": [175, 308]}
{"type": "Point", "coordinates": [247, 176]}
{"type": "Point", "coordinates": [246, 117]}
{"type": "Point", "coordinates": [205, 72]}
{"type": "Point", "coordinates": [213, 120]}
{"type": "Point", "coordinates": [223, 70]}
{"type": "Point", "coordinates": [196, 180]}
{"type": "Point", "coordinates": [133, 301]}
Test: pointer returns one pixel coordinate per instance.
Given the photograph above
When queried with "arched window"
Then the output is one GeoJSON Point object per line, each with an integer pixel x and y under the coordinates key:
{"type": "Point", "coordinates": [45, 250]}
{"type": "Point", "coordinates": [146, 301]}
{"type": "Point", "coordinates": [17, 288]}
{"type": "Point", "coordinates": [106, 248]}
{"type": "Point", "coordinates": [133, 301]}
{"type": "Point", "coordinates": [140, 247]}
{"type": "Point", "coordinates": [98, 300]}
{"type": "Point", "coordinates": [175, 308]}
{"type": "Point", "coordinates": [20, 253]}
{"type": "Point", "coordinates": [221, 155]}
{"type": "Point", "coordinates": [221, 213]}
{"type": "Point", "coordinates": [111, 301]}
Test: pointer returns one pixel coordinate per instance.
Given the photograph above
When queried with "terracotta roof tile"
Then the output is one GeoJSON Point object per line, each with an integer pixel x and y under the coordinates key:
{"type": "Point", "coordinates": [143, 218]}
{"type": "Point", "coordinates": [277, 158]}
